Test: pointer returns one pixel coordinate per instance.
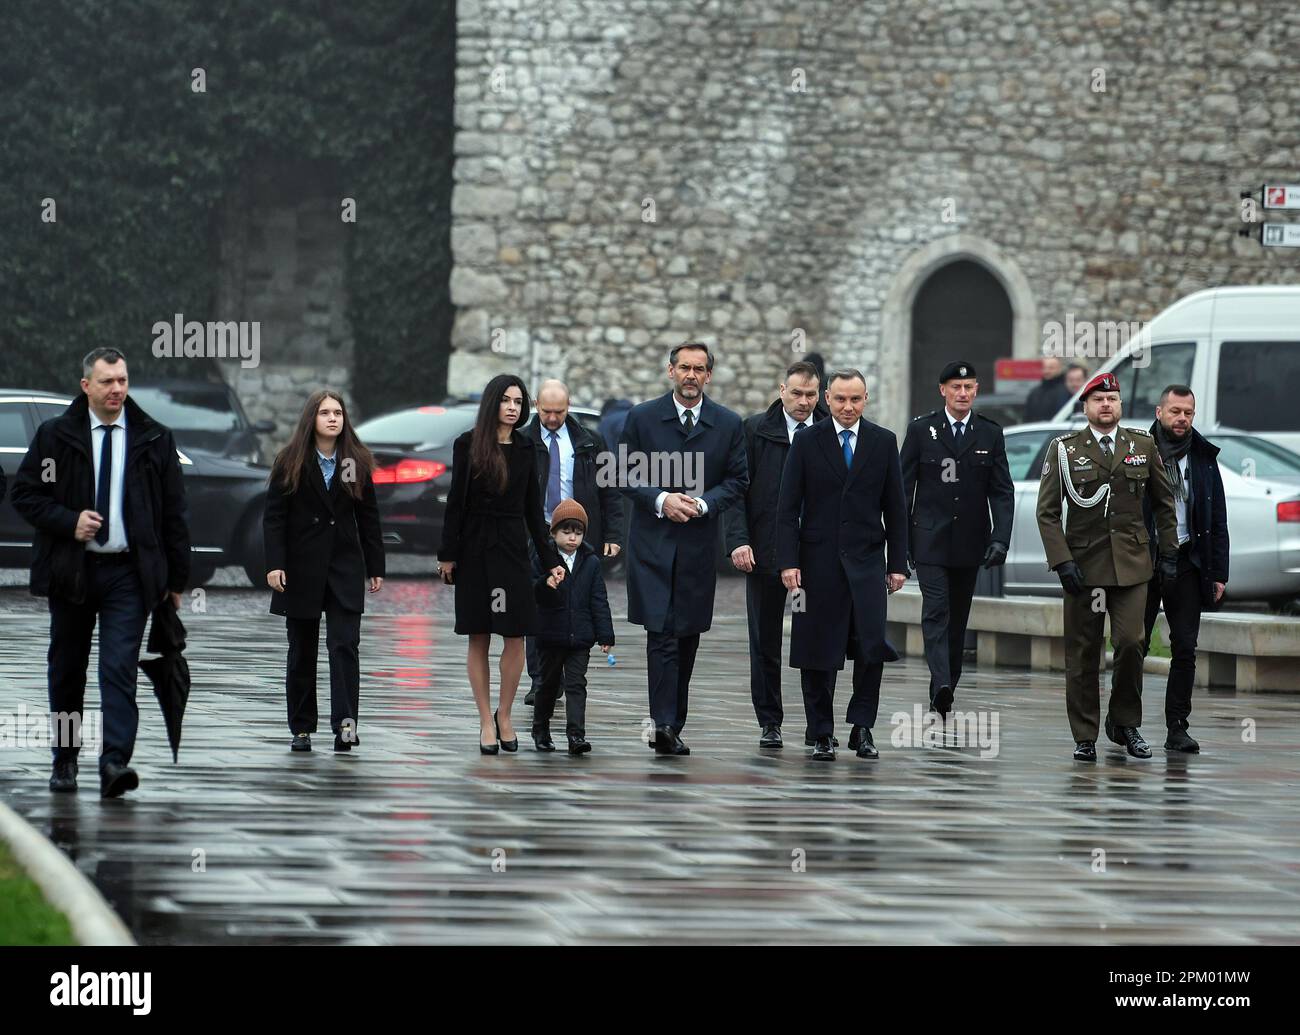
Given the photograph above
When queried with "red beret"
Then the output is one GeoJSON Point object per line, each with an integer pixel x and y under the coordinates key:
{"type": "Point", "coordinates": [1101, 383]}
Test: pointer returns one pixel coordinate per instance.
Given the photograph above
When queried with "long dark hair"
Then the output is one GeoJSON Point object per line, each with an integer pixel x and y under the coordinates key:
{"type": "Point", "coordinates": [485, 458]}
{"type": "Point", "coordinates": [292, 460]}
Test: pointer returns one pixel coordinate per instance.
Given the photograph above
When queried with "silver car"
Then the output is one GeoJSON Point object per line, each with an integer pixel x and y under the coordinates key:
{"type": "Point", "coordinates": [1261, 483]}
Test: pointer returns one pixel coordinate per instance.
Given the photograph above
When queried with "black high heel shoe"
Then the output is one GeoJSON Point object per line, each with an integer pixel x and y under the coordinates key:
{"type": "Point", "coordinates": [488, 749]}
{"type": "Point", "coordinates": [506, 745]}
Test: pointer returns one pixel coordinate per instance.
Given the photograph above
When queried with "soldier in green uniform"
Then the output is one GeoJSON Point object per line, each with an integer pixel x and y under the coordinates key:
{"type": "Point", "coordinates": [1099, 548]}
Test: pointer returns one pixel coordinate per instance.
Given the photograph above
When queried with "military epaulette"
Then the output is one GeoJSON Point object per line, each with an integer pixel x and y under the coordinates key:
{"type": "Point", "coordinates": [1138, 431]}
{"type": "Point", "coordinates": [989, 419]}
{"type": "Point", "coordinates": [925, 416]}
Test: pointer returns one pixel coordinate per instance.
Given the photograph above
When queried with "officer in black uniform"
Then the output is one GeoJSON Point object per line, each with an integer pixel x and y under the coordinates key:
{"type": "Point", "coordinates": [955, 475]}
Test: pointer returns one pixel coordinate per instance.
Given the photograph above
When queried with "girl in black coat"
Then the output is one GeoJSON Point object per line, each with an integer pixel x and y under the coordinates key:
{"type": "Point", "coordinates": [323, 542]}
{"type": "Point", "coordinates": [493, 506]}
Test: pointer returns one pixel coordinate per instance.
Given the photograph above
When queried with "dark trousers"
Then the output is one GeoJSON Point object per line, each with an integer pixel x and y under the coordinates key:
{"type": "Point", "coordinates": [1182, 600]}
{"type": "Point", "coordinates": [945, 608]}
{"type": "Point", "coordinates": [670, 660]}
{"type": "Point", "coordinates": [1084, 629]}
{"type": "Point", "coordinates": [342, 644]}
{"type": "Point", "coordinates": [562, 667]}
{"type": "Point", "coordinates": [765, 605]}
{"type": "Point", "coordinates": [819, 694]}
{"type": "Point", "coordinates": [114, 597]}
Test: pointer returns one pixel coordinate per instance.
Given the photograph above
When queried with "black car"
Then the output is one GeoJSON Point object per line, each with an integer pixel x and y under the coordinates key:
{"type": "Point", "coordinates": [203, 415]}
{"type": "Point", "coordinates": [225, 496]}
{"type": "Point", "coordinates": [412, 450]}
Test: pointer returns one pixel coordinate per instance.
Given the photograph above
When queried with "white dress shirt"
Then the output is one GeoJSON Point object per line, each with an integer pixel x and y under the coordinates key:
{"type": "Point", "coordinates": [853, 435]}
{"type": "Point", "coordinates": [963, 421]}
{"type": "Point", "coordinates": [792, 425]}
{"type": "Point", "coordinates": [1180, 506]}
{"type": "Point", "coordinates": [681, 418]}
{"type": "Point", "coordinates": [566, 464]}
{"type": "Point", "coordinates": [567, 558]}
{"type": "Point", "coordinates": [116, 523]}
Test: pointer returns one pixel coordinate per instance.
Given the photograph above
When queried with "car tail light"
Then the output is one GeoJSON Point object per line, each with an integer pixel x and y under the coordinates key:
{"type": "Point", "coordinates": [1289, 511]}
{"type": "Point", "coordinates": [406, 471]}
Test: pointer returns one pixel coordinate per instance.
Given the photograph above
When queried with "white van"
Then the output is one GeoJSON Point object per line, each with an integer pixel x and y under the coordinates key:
{"type": "Point", "coordinates": [1239, 350]}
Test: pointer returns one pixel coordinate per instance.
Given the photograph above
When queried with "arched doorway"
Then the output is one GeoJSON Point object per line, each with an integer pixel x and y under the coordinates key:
{"type": "Point", "coordinates": [892, 406]}
{"type": "Point", "coordinates": [961, 311]}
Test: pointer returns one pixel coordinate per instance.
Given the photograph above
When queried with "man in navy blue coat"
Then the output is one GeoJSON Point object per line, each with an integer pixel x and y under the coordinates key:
{"type": "Point", "coordinates": [841, 545]}
{"type": "Point", "coordinates": [682, 464]}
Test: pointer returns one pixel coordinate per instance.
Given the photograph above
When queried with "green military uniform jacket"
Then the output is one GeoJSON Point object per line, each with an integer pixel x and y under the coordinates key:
{"type": "Point", "coordinates": [1108, 541]}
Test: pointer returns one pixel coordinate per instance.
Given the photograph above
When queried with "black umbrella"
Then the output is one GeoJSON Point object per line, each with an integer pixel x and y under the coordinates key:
{"type": "Point", "coordinates": [170, 673]}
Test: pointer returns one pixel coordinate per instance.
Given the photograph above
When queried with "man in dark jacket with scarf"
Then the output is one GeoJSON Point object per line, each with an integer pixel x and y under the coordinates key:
{"type": "Point", "coordinates": [1193, 467]}
{"type": "Point", "coordinates": [751, 537]}
{"type": "Point", "coordinates": [573, 617]}
{"type": "Point", "coordinates": [101, 484]}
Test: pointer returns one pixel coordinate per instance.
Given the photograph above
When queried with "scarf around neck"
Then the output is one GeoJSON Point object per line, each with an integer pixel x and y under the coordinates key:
{"type": "Point", "coordinates": [1171, 453]}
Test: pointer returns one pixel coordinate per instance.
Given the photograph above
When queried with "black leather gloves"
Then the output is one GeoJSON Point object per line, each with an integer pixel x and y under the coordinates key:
{"type": "Point", "coordinates": [1169, 567]}
{"type": "Point", "coordinates": [996, 554]}
{"type": "Point", "coordinates": [1071, 576]}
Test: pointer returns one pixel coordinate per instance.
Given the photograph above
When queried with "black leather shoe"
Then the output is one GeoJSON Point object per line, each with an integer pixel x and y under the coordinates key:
{"type": "Point", "coordinates": [542, 740]}
{"type": "Point", "coordinates": [943, 701]}
{"type": "Point", "coordinates": [667, 742]}
{"type": "Point", "coordinates": [530, 698]}
{"type": "Point", "coordinates": [1112, 733]}
{"type": "Point", "coordinates": [824, 749]}
{"type": "Point", "coordinates": [506, 745]}
{"type": "Point", "coordinates": [867, 747]}
{"type": "Point", "coordinates": [1181, 740]}
{"type": "Point", "coordinates": [1133, 742]}
{"type": "Point", "coordinates": [771, 737]}
{"type": "Point", "coordinates": [115, 780]}
{"type": "Point", "coordinates": [64, 777]}
{"type": "Point", "coordinates": [300, 742]}
{"type": "Point", "coordinates": [578, 744]}
{"type": "Point", "coordinates": [1085, 751]}
{"type": "Point", "coordinates": [855, 737]}
{"type": "Point", "coordinates": [342, 743]}
{"type": "Point", "coordinates": [811, 741]}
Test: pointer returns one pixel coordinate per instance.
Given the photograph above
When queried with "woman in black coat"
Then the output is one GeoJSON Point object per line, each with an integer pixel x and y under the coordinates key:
{"type": "Point", "coordinates": [323, 542]}
{"type": "Point", "coordinates": [493, 506]}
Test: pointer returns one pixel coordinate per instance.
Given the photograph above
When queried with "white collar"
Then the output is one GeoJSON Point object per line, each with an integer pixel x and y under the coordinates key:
{"type": "Point", "coordinates": [957, 420]}
{"type": "Point", "coordinates": [695, 410]}
{"type": "Point", "coordinates": [840, 428]}
{"type": "Point", "coordinates": [1097, 433]}
{"type": "Point", "coordinates": [120, 422]}
{"type": "Point", "coordinates": [791, 424]}
{"type": "Point", "coordinates": [561, 432]}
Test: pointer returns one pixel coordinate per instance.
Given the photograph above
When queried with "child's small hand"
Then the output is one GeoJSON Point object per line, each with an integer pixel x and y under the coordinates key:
{"type": "Point", "coordinates": [604, 648]}
{"type": "Point", "coordinates": [550, 581]}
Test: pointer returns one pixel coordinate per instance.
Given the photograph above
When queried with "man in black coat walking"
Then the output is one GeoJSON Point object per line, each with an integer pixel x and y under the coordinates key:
{"type": "Point", "coordinates": [751, 536]}
{"type": "Point", "coordinates": [101, 484]}
{"type": "Point", "coordinates": [841, 505]}
{"type": "Point", "coordinates": [1200, 507]}
{"type": "Point", "coordinates": [568, 466]}
{"type": "Point", "coordinates": [682, 464]}
{"type": "Point", "coordinates": [955, 474]}
{"type": "Point", "coordinates": [1049, 396]}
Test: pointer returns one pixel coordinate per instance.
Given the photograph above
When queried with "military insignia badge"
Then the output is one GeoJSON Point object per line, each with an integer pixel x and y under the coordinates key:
{"type": "Point", "coordinates": [934, 434]}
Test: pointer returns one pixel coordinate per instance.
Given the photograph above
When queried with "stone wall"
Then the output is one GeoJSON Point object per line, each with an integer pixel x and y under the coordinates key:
{"type": "Point", "coordinates": [633, 172]}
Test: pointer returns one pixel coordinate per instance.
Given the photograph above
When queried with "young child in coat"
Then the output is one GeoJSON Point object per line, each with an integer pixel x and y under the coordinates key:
{"type": "Point", "coordinates": [573, 617]}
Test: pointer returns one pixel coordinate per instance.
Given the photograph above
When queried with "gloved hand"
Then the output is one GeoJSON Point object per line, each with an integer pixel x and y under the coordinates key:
{"type": "Point", "coordinates": [996, 554]}
{"type": "Point", "coordinates": [1169, 567]}
{"type": "Point", "coordinates": [1071, 576]}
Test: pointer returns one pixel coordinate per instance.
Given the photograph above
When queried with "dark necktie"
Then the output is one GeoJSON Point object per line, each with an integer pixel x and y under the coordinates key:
{"type": "Point", "coordinates": [1105, 447]}
{"type": "Point", "coordinates": [689, 421]}
{"type": "Point", "coordinates": [553, 480]}
{"type": "Point", "coordinates": [104, 493]}
{"type": "Point", "coordinates": [802, 424]}
{"type": "Point", "coordinates": [957, 431]}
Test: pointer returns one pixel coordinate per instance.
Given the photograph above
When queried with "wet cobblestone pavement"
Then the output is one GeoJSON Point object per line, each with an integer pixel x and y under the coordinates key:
{"type": "Point", "coordinates": [416, 838]}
